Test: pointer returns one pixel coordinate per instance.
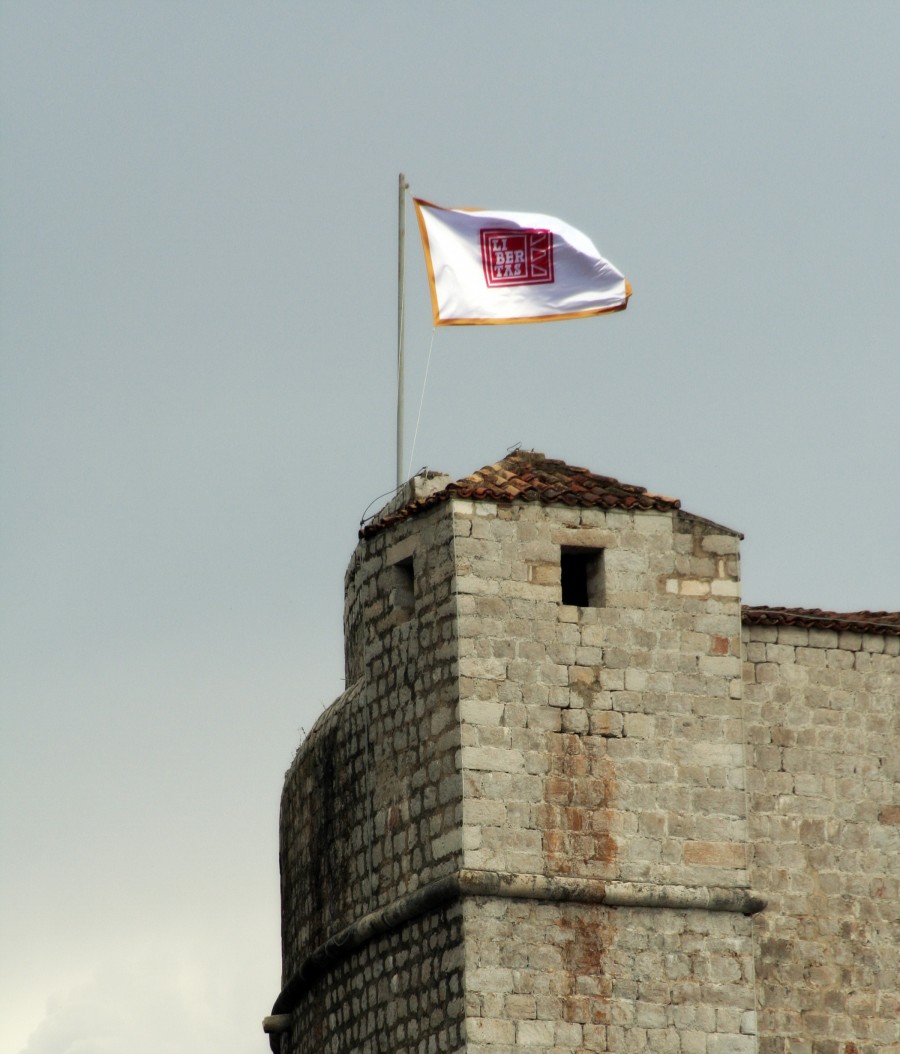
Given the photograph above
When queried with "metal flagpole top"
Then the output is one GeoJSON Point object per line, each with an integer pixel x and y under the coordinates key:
{"type": "Point", "coordinates": [401, 263]}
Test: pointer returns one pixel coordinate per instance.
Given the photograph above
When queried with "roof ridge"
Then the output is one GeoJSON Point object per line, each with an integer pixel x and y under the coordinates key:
{"type": "Point", "coordinates": [527, 475]}
{"type": "Point", "coordinates": [877, 622]}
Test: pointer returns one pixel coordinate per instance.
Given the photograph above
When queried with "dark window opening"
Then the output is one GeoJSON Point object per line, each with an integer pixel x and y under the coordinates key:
{"type": "Point", "coordinates": [581, 574]}
{"type": "Point", "coordinates": [403, 588]}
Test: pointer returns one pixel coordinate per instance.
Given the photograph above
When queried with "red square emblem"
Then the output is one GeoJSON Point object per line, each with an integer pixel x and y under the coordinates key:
{"type": "Point", "coordinates": [517, 256]}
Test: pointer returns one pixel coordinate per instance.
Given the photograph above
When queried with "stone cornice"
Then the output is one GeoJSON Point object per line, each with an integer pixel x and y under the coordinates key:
{"type": "Point", "coordinates": [483, 883]}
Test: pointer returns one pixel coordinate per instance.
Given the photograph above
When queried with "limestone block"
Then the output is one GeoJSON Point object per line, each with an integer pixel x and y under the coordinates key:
{"type": "Point", "coordinates": [553, 674]}
{"type": "Point", "coordinates": [477, 667]}
{"type": "Point", "coordinates": [823, 638]}
{"type": "Point", "coordinates": [656, 523]}
{"type": "Point", "coordinates": [638, 726]}
{"type": "Point", "coordinates": [793, 636]}
{"type": "Point", "coordinates": [619, 521]}
{"type": "Point", "coordinates": [515, 713]}
{"type": "Point", "coordinates": [693, 1042]}
{"type": "Point", "coordinates": [766, 634]}
{"type": "Point", "coordinates": [720, 665]}
{"type": "Point", "coordinates": [561, 654]}
{"type": "Point", "coordinates": [850, 641]}
{"type": "Point", "coordinates": [543, 572]}
{"type": "Point", "coordinates": [627, 702]}
{"type": "Point", "coordinates": [720, 543]}
{"type": "Point", "coordinates": [693, 587]}
{"type": "Point", "coordinates": [519, 1007]}
{"type": "Point", "coordinates": [873, 643]}
{"type": "Point", "coordinates": [560, 697]}
{"type": "Point", "coordinates": [569, 1035]}
{"type": "Point", "coordinates": [574, 721]}
{"type": "Point", "coordinates": [539, 1033]}
{"type": "Point", "coordinates": [531, 650]}
{"type": "Point", "coordinates": [481, 713]}
{"type": "Point", "coordinates": [606, 723]}
{"type": "Point", "coordinates": [534, 696]}
{"type": "Point", "coordinates": [495, 1031]}
{"type": "Point", "coordinates": [475, 585]}
{"type": "Point", "coordinates": [593, 636]}
{"type": "Point", "coordinates": [839, 659]}
{"type": "Point", "coordinates": [810, 656]}
{"type": "Point", "coordinates": [731, 1044]}
{"type": "Point", "coordinates": [491, 759]}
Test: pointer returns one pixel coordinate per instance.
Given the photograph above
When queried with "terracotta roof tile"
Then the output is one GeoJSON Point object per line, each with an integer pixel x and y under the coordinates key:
{"type": "Point", "coordinates": [885, 623]}
{"type": "Point", "coordinates": [526, 475]}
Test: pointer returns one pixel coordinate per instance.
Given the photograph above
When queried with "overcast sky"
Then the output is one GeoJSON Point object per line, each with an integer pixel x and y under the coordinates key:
{"type": "Point", "coordinates": [199, 214]}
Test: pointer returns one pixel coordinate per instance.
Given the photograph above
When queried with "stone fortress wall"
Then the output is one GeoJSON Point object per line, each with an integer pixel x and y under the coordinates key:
{"type": "Point", "coordinates": [541, 826]}
{"type": "Point", "coordinates": [371, 813]}
{"type": "Point", "coordinates": [821, 710]}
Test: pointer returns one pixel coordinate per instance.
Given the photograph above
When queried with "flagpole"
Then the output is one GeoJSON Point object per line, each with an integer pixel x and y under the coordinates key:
{"type": "Point", "coordinates": [401, 245]}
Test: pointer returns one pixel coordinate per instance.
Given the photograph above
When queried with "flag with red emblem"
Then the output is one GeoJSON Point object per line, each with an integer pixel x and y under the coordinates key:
{"type": "Point", "coordinates": [490, 268]}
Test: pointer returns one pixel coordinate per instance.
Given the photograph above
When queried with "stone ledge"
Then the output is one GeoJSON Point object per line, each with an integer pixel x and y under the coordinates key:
{"type": "Point", "coordinates": [612, 894]}
{"type": "Point", "coordinates": [485, 883]}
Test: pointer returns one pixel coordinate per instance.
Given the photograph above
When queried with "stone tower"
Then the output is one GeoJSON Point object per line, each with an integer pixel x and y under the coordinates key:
{"type": "Point", "coordinates": [524, 825]}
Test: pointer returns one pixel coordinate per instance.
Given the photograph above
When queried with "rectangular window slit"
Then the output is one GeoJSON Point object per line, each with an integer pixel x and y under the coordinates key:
{"type": "Point", "coordinates": [403, 588]}
{"type": "Point", "coordinates": [581, 575]}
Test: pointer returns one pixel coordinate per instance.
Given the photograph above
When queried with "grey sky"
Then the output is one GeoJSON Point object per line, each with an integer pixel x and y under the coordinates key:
{"type": "Point", "coordinates": [198, 335]}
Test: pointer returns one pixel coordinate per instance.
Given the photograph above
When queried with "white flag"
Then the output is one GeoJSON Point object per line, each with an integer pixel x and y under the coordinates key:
{"type": "Point", "coordinates": [503, 267]}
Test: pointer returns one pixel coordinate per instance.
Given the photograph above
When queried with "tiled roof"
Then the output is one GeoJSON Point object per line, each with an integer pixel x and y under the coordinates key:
{"type": "Point", "coordinates": [526, 475]}
{"type": "Point", "coordinates": [886, 623]}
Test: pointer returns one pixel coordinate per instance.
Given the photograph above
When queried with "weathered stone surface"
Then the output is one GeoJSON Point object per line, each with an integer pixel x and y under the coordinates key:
{"type": "Point", "coordinates": [823, 785]}
{"type": "Point", "coordinates": [481, 838]}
